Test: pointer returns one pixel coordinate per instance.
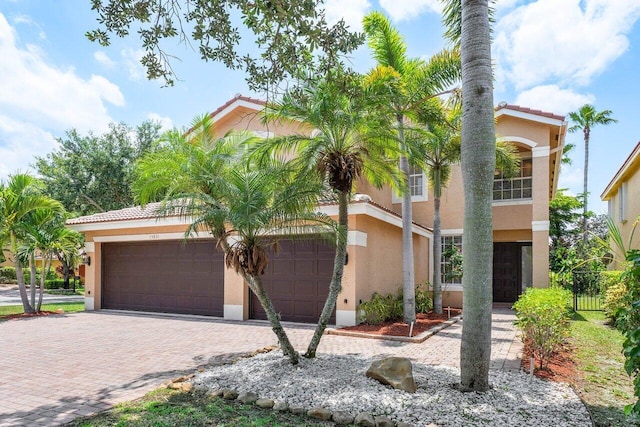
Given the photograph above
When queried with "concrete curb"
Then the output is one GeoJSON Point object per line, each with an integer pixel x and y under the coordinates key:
{"type": "Point", "coordinates": [417, 339]}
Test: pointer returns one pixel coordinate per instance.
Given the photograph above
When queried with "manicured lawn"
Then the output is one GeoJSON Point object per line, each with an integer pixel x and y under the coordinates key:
{"type": "Point", "coordinates": [606, 388]}
{"type": "Point", "coordinates": [68, 307]}
{"type": "Point", "coordinates": [171, 408]}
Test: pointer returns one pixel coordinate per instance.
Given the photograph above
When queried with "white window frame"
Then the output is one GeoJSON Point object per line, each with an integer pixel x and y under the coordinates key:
{"type": "Point", "coordinates": [520, 179]}
{"type": "Point", "coordinates": [443, 244]}
{"type": "Point", "coordinates": [397, 198]}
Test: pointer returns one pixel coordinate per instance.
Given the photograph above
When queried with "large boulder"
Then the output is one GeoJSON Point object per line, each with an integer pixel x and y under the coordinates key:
{"type": "Point", "coordinates": [394, 371]}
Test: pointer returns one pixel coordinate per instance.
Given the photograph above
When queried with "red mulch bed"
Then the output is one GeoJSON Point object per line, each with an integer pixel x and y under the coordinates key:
{"type": "Point", "coordinates": [29, 315]}
{"type": "Point", "coordinates": [424, 322]}
{"type": "Point", "coordinates": [560, 368]}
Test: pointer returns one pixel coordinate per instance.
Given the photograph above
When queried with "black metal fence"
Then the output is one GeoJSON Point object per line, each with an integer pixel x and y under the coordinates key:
{"type": "Point", "coordinates": [587, 294]}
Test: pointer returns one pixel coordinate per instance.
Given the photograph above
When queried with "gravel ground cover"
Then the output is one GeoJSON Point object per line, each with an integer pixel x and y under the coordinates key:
{"type": "Point", "coordinates": [339, 383]}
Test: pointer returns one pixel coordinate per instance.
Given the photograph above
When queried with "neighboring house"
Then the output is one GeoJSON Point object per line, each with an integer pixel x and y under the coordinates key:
{"type": "Point", "coordinates": [141, 263]}
{"type": "Point", "coordinates": [623, 197]}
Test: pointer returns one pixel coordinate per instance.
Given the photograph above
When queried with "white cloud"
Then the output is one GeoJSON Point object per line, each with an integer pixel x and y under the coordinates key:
{"type": "Point", "coordinates": [407, 9]}
{"type": "Point", "coordinates": [40, 100]}
{"type": "Point", "coordinates": [26, 20]}
{"type": "Point", "coordinates": [103, 59]}
{"type": "Point", "coordinates": [553, 99]}
{"type": "Point", "coordinates": [571, 177]}
{"type": "Point", "coordinates": [131, 59]}
{"type": "Point", "coordinates": [568, 42]}
{"type": "Point", "coordinates": [21, 141]}
{"type": "Point", "coordinates": [165, 122]}
{"type": "Point", "coordinates": [352, 11]}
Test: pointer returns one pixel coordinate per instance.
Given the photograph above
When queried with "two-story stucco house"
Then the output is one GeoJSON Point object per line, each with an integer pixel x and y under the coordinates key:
{"type": "Point", "coordinates": [139, 262]}
{"type": "Point", "coordinates": [623, 197]}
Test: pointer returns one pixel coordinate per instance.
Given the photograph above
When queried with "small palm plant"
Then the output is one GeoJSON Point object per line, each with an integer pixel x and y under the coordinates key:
{"type": "Point", "coordinates": [246, 208]}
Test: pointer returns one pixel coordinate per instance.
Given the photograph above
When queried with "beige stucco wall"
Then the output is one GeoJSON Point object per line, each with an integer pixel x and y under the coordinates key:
{"type": "Point", "coordinates": [245, 119]}
{"type": "Point", "coordinates": [380, 263]}
{"type": "Point", "coordinates": [632, 180]}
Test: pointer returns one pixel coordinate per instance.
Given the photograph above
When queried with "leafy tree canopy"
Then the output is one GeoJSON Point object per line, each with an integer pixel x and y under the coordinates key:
{"type": "Point", "coordinates": [288, 33]}
{"type": "Point", "coordinates": [89, 173]}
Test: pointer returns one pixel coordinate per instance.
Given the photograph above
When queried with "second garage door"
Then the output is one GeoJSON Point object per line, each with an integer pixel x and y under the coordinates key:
{"type": "Point", "coordinates": [297, 281]}
{"type": "Point", "coordinates": [165, 276]}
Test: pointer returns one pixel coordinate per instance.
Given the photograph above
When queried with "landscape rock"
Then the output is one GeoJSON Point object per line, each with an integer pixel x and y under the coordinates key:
{"type": "Point", "coordinates": [247, 397]}
{"type": "Point", "coordinates": [265, 403]}
{"type": "Point", "coordinates": [215, 393]}
{"type": "Point", "coordinates": [298, 410]}
{"type": "Point", "coordinates": [403, 424]}
{"type": "Point", "coordinates": [319, 413]}
{"type": "Point", "coordinates": [364, 419]}
{"type": "Point", "coordinates": [229, 394]}
{"type": "Point", "coordinates": [280, 406]}
{"type": "Point", "coordinates": [342, 418]}
{"type": "Point", "coordinates": [180, 386]}
{"type": "Point", "coordinates": [382, 421]}
{"type": "Point", "coordinates": [394, 371]}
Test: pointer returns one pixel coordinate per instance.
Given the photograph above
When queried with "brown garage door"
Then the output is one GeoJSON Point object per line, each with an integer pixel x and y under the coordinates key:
{"type": "Point", "coordinates": [166, 276]}
{"type": "Point", "coordinates": [297, 281]}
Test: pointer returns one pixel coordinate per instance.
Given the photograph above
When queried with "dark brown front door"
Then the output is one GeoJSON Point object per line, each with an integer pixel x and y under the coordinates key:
{"type": "Point", "coordinates": [297, 281]}
{"type": "Point", "coordinates": [507, 271]}
{"type": "Point", "coordinates": [165, 276]}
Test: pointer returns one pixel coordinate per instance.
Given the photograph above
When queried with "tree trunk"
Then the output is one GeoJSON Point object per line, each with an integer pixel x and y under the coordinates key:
{"type": "Point", "coordinates": [33, 280]}
{"type": "Point", "coordinates": [408, 276]}
{"type": "Point", "coordinates": [46, 265]}
{"type": "Point", "coordinates": [336, 279]}
{"type": "Point", "coordinates": [437, 257]}
{"type": "Point", "coordinates": [478, 166]}
{"type": "Point", "coordinates": [586, 188]}
{"type": "Point", "coordinates": [255, 284]}
{"type": "Point", "coordinates": [20, 276]}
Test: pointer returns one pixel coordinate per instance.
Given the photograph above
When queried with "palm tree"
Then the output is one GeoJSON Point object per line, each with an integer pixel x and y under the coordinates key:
{"type": "Point", "coordinates": [584, 119]}
{"type": "Point", "coordinates": [47, 236]}
{"type": "Point", "coordinates": [343, 147]}
{"type": "Point", "coordinates": [246, 208]}
{"type": "Point", "coordinates": [406, 84]}
{"type": "Point", "coordinates": [20, 196]}
{"type": "Point", "coordinates": [468, 23]}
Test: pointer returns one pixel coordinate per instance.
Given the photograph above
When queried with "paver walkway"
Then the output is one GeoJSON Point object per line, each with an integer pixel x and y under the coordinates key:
{"type": "Point", "coordinates": [56, 368]}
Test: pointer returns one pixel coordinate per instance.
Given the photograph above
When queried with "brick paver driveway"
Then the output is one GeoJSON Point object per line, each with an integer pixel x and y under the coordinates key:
{"type": "Point", "coordinates": [56, 368]}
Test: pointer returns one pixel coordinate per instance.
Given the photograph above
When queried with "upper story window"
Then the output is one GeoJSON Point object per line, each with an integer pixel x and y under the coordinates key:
{"type": "Point", "coordinates": [417, 186]}
{"type": "Point", "coordinates": [517, 188]}
{"type": "Point", "coordinates": [416, 182]}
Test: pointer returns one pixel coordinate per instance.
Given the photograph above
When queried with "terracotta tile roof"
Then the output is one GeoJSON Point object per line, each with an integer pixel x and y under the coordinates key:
{"type": "Point", "coordinates": [238, 97]}
{"type": "Point", "coordinates": [528, 110]}
{"type": "Point", "coordinates": [150, 212]}
{"type": "Point", "coordinates": [126, 214]}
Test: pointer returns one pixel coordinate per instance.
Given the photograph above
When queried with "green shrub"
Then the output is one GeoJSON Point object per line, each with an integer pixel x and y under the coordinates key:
{"type": "Point", "coordinates": [424, 299]}
{"type": "Point", "coordinates": [54, 284]}
{"type": "Point", "coordinates": [631, 345]}
{"type": "Point", "coordinates": [543, 315]}
{"type": "Point", "coordinates": [8, 272]}
{"type": "Point", "coordinates": [562, 279]}
{"type": "Point", "coordinates": [615, 301]}
{"type": "Point", "coordinates": [382, 308]}
{"type": "Point", "coordinates": [609, 278]}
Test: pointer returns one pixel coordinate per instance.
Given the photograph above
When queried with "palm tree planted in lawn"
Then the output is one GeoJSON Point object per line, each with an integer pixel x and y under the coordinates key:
{"type": "Point", "coordinates": [405, 84]}
{"type": "Point", "coordinates": [585, 119]}
{"type": "Point", "coordinates": [338, 144]}
{"type": "Point", "coordinates": [20, 197]}
{"type": "Point", "coordinates": [247, 209]}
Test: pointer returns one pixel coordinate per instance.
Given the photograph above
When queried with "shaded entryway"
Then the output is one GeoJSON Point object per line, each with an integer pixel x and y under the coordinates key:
{"type": "Point", "coordinates": [297, 280]}
{"type": "Point", "coordinates": [511, 264]}
{"type": "Point", "coordinates": [164, 276]}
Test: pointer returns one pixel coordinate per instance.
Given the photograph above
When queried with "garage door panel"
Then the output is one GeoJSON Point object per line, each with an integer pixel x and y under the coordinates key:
{"type": "Point", "coordinates": [297, 281]}
{"type": "Point", "coordinates": [163, 276]}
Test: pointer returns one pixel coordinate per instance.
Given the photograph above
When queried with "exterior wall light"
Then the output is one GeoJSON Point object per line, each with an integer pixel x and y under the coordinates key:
{"type": "Point", "coordinates": [86, 259]}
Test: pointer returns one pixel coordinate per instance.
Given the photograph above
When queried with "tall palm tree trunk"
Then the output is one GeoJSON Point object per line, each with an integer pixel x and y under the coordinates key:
{"type": "Point", "coordinates": [437, 256]}
{"type": "Point", "coordinates": [585, 182]}
{"type": "Point", "coordinates": [408, 281]}
{"type": "Point", "coordinates": [478, 165]}
{"type": "Point", "coordinates": [28, 308]}
{"type": "Point", "coordinates": [336, 279]}
{"type": "Point", "coordinates": [255, 284]}
{"type": "Point", "coordinates": [33, 280]}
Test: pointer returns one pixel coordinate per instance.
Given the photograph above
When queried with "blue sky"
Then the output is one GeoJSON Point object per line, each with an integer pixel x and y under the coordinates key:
{"type": "Point", "coordinates": [553, 55]}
